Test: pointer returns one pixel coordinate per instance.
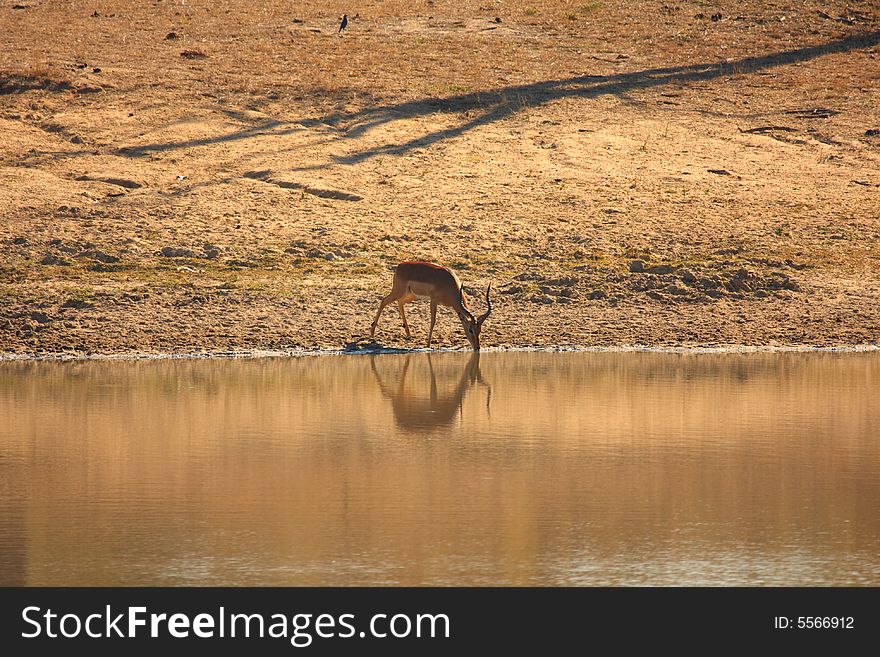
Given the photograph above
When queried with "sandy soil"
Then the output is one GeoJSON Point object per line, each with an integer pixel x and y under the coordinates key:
{"type": "Point", "coordinates": [214, 175]}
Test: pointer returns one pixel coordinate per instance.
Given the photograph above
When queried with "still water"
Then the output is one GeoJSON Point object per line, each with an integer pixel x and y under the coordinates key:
{"type": "Point", "coordinates": [443, 469]}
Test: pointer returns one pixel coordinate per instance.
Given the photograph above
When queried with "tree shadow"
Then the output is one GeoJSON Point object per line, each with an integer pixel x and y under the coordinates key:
{"type": "Point", "coordinates": [499, 104]}
{"type": "Point", "coordinates": [263, 128]}
{"type": "Point", "coordinates": [505, 102]}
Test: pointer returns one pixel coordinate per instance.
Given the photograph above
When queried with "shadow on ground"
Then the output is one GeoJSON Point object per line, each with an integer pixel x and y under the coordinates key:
{"type": "Point", "coordinates": [498, 104]}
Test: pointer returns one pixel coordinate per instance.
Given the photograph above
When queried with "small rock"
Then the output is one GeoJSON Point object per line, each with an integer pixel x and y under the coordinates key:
{"type": "Point", "coordinates": [76, 139]}
{"type": "Point", "coordinates": [210, 250]}
{"type": "Point", "coordinates": [637, 266]}
{"type": "Point", "coordinates": [779, 281]}
{"type": "Point", "coordinates": [40, 317]}
{"type": "Point", "coordinates": [739, 282]}
{"type": "Point", "coordinates": [175, 252]}
{"type": "Point", "coordinates": [687, 276]}
{"type": "Point", "coordinates": [52, 259]}
{"type": "Point", "coordinates": [70, 249]}
{"type": "Point", "coordinates": [77, 304]}
{"type": "Point", "coordinates": [716, 17]}
{"type": "Point", "coordinates": [561, 282]}
{"type": "Point", "coordinates": [660, 269]}
{"type": "Point", "coordinates": [597, 294]}
{"type": "Point", "coordinates": [99, 255]}
{"type": "Point", "coordinates": [21, 241]}
{"type": "Point", "coordinates": [171, 36]}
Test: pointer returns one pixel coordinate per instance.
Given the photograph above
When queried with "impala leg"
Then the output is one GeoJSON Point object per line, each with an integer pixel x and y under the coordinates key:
{"type": "Point", "coordinates": [400, 303]}
{"type": "Point", "coordinates": [433, 320]}
{"type": "Point", "coordinates": [388, 299]}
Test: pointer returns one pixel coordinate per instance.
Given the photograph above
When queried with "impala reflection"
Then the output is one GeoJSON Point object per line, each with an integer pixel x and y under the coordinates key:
{"type": "Point", "coordinates": [419, 400]}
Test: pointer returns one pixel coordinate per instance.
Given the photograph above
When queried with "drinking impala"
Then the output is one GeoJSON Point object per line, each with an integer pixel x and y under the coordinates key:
{"type": "Point", "coordinates": [425, 280]}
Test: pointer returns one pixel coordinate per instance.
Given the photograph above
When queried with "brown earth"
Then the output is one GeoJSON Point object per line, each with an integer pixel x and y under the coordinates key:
{"type": "Point", "coordinates": [219, 175]}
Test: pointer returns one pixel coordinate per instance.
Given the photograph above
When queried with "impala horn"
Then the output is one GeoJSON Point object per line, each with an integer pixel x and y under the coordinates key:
{"type": "Point", "coordinates": [482, 318]}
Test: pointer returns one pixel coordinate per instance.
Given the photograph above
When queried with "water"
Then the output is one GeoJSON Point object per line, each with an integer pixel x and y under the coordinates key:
{"type": "Point", "coordinates": [514, 469]}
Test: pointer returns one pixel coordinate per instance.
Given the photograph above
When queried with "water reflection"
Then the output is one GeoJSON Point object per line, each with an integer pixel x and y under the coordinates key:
{"type": "Point", "coordinates": [421, 405]}
{"type": "Point", "coordinates": [590, 469]}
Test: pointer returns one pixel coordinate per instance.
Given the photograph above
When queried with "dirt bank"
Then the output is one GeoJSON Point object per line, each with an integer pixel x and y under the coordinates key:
{"type": "Point", "coordinates": [228, 175]}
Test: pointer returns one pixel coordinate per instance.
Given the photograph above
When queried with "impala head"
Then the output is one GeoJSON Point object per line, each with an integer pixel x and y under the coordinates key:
{"type": "Point", "coordinates": [473, 325]}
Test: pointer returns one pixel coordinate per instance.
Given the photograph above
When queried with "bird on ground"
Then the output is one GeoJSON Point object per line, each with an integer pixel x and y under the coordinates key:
{"type": "Point", "coordinates": [343, 24]}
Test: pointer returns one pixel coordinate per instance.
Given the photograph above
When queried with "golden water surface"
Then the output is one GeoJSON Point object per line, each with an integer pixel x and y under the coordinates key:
{"type": "Point", "coordinates": [443, 469]}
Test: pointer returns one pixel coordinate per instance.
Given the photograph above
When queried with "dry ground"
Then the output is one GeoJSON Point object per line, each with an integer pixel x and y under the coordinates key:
{"type": "Point", "coordinates": [210, 175]}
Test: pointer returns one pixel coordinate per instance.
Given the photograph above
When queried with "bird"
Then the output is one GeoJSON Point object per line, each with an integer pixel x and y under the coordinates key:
{"type": "Point", "coordinates": [344, 23]}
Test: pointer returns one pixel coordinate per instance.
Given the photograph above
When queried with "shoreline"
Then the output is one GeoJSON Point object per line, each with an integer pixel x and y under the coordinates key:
{"type": "Point", "coordinates": [255, 354]}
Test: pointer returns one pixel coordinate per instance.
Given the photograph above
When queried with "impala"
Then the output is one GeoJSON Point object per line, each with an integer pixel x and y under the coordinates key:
{"type": "Point", "coordinates": [425, 280]}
